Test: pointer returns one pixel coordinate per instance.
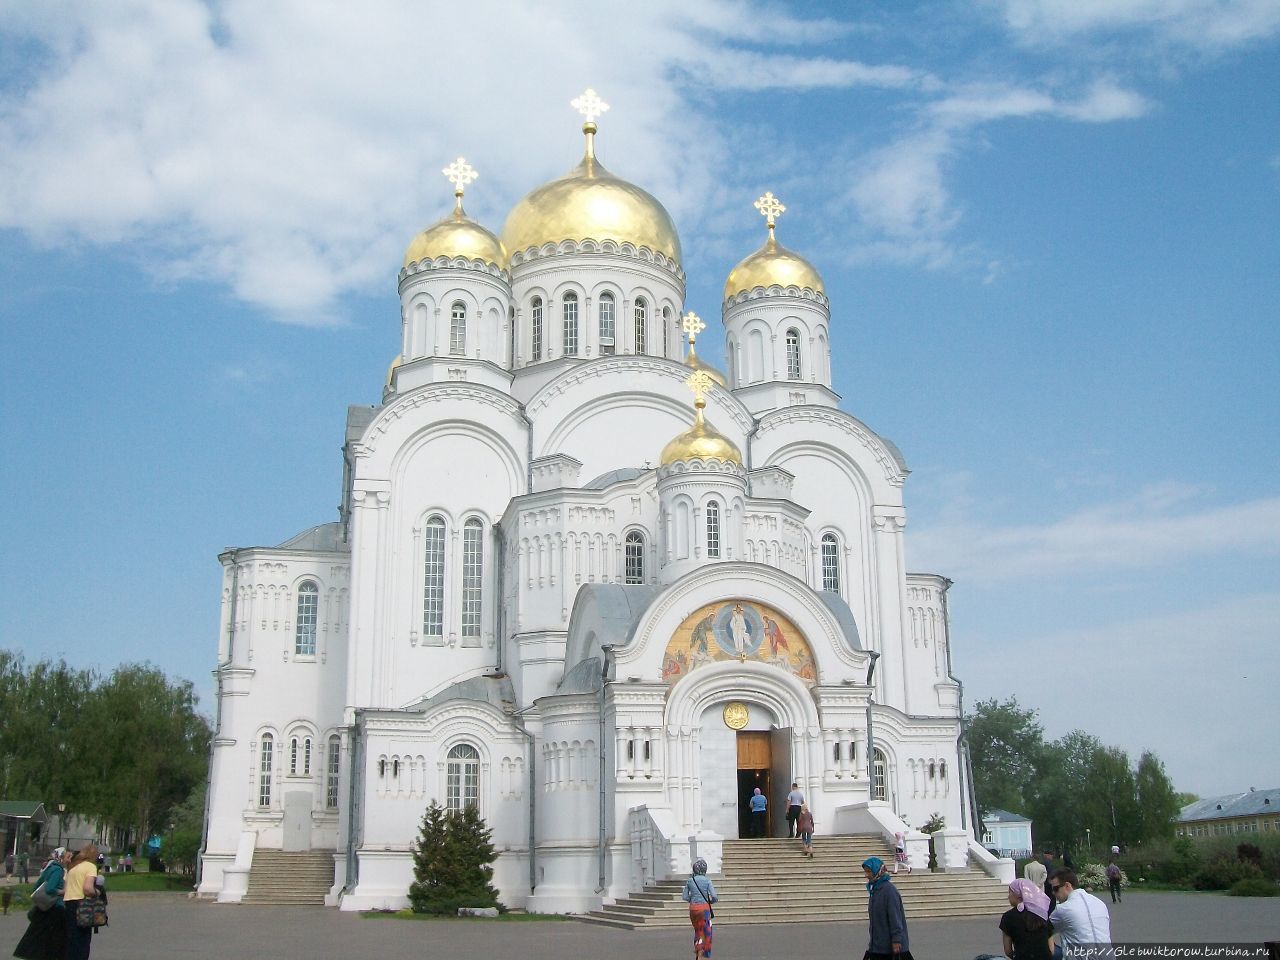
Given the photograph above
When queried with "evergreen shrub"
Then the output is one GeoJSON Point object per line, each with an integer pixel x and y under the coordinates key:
{"type": "Point", "coordinates": [1254, 887]}
{"type": "Point", "coordinates": [452, 862]}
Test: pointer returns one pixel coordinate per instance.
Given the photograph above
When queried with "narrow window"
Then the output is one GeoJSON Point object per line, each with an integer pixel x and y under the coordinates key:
{"type": "Point", "coordinates": [569, 308]}
{"type": "Point", "coordinates": [266, 755]}
{"type": "Point", "coordinates": [666, 331]}
{"type": "Point", "coordinates": [433, 579]}
{"type": "Point", "coordinates": [878, 771]}
{"type": "Point", "coordinates": [332, 766]}
{"type": "Point", "coordinates": [462, 776]}
{"type": "Point", "coordinates": [472, 576]}
{"type": "Point", "coordinates": [793, 354]}
{"type": "Point", "coordinates": [830, 563]}
{"type": "Point", "coordinates": [293, 757]}
{"type": "Point", "coordinates": [306, 757]}
{"type": "Point", "coordinates": [537, 328]}
{"type": "Point", "coordinates": [606, 323]}
{"type": "Point", "coordinates": [713, 529]}
{"type": "Point", "coordinates": [642, 320]}
{"type": "Point", "coordinates": [304, 636]}
{"type": "Point", "coordinates": [458, 329]}
{"type": "Point", "coordinates": [634, 572]}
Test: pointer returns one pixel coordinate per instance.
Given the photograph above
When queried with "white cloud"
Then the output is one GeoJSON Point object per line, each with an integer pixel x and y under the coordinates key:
{"type": "Point", "coordinates": [1160, 525]}
{"type": "Point", "coordinates": [1205, 24]}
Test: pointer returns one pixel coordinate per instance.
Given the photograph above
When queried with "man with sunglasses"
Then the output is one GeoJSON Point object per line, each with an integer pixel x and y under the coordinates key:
{"type": "Point", "coordinates": [1079, 917]}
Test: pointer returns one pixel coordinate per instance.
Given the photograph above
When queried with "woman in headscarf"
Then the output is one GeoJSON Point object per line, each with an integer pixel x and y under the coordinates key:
{"type": "Point", "coordinates": [46, 936]}
{"type": "Point", "coordinates": [1028, 932]}
{"type": "Point", "coordinates": [888, 921]}
{"type": "Point", "coordinates": [700, 895]}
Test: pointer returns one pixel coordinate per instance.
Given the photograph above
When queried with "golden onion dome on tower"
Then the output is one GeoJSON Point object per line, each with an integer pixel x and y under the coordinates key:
{"type": "Point", "coordinates": [457, 235]}
{"type": "Point", "coordinates": [700, 441]}
{"type": "Point", "coordinates": [590, 203]}
{"type": "Point", "coordinates": [773, 264]}
{"type": "Point", "coordinates": [692, 325]}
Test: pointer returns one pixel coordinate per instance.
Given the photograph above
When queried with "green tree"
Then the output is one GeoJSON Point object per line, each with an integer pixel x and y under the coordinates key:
{"type": "Point", "coordinates": [451, 862]}
{"type": "Point", "coordinates": [1006, 744]}
{"type": "Point", "coordinates": [181, 842]}
{"type": "Point", "coordinates": [1158, 802]}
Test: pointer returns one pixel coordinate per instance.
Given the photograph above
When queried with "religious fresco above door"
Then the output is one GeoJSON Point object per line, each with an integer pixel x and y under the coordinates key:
{"type": "Point", "coordinates": [738, 630]}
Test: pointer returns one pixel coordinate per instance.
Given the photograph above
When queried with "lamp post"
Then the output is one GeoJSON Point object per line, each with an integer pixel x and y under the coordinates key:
{"type": "Point", "coordinates": [62, 809]}
{"type": "Point", "coordinates": [1088, 833]}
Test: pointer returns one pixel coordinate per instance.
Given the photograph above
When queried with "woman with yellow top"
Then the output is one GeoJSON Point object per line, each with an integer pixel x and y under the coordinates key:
{"type": "Point", "coordinates": [81, 882]}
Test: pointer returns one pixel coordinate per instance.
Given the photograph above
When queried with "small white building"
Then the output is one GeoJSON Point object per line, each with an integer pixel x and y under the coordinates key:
{"type": "Point", "coordinates": [549, 595]}
{"type": "Point", "coordinates": [1009, 834]}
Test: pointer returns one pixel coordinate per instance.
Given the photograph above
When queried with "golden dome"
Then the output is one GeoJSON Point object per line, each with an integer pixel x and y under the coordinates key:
{"type": "Point", "coordinates": [695, 362]}
{"type": "Point", "coordinates": [773, 264]}
{"type": "Point", "coordinates": [700, 441]}
{"type": "Point", "coordinates": [391, 370]}
{"type": "Point", "coordinates": [457, 235]}
{"type": "Point", "coordinates": [590, 203]}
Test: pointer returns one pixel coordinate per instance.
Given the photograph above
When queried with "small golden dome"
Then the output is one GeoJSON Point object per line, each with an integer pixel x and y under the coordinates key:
{"type": "Point", "coordinates": [391, 370]}
{"type": "Point", "coordinates": [695, 362]}
{"type": "Point", "coordinates": [700, 441]}
{"type": "Point", "coordinates": [590, 203]}
{"type": "Point", "coordinates": [457, 235]}
{"type": "Point", "coordinates": [773, 264]}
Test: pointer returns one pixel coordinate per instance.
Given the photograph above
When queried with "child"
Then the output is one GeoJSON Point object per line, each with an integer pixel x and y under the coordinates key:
{"type": "Point", "coordinates": [900, 853]}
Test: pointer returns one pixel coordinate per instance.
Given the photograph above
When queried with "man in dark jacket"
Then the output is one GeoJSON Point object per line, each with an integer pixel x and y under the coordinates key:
{"type": "Point", "coordinates": [888, 921]}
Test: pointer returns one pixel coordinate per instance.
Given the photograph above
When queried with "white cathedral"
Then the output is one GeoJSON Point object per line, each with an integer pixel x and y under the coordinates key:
{"type": "Point", "coordinates": [561, 591]}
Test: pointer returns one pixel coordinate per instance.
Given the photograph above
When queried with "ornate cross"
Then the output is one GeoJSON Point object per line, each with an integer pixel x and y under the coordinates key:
{"type": "Point", "coordinates": [770, 207]}
{"type": "Point", "coordinates": [459, 173]}
{"type": "Point", "coordinates": [699, 382]}
{"type": "Point", "coordinates": [692, 325]}
{"type": "Point", "coordinates": [589, 105]}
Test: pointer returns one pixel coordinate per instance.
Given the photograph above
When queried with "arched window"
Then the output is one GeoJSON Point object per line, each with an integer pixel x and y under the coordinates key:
{"type": "Point", "coordinates": [713, 529]}
{"type": "Point", "coordinates": [793, 354]}
{"type": "Point", "coordinates": [306, 756]}
{"type": "Point", "coordinates": [879, 776]}
{"type": "Point", "coordinates": [642, 320]}
{"type": "Point", "coordinates": [830, 563]}
{"type": "Point", "coordinates": [731, 364]}
{"type": "Point", "coordinates": [569, 310]}
{"type": "Point", "coordinates": [606, 323]}
{"type": "Point", "coordinates": [304, 635]}
{"type": "Point", "coordinates": [433, 579]}
{"type": "Point", "coordinates": [293, 757]}
{"type": "Point", "coordinates": [666, 331]}
{"type": "Point", "coordinates": [333, 761]}
{"type": "Point", "coordinates": [266, 758]}
{"type": "Point", "coordinates": [458, 329]}
{"type": "Point", "coordinates": [462, 778]}
{"type": "Point", "coordinates": [634, 571]}
{"type": "Point", "coordinates": [537, 328]}
{"type": "Point", "coordinates": [472, 576]}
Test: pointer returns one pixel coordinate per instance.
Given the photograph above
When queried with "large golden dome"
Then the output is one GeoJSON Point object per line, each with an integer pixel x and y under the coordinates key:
{"type": "Point", "coordinates": [457, 235]}
{"type": "Point", "coordinates": [773, 264]}
{"type": "Point", "coordinates": [701, 442]}
{"type": "Point", "coordinates": [590, 203]}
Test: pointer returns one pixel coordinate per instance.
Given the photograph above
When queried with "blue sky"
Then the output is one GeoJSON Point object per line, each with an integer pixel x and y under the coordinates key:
{"type": "Point", "coordinates": [1048, 230]}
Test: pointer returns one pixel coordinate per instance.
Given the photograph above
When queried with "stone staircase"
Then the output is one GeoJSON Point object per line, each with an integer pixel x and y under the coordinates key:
{"type": "Point", "coordinates": [768, 881]}
{"type": "Point", "coordinates": [290, 879]}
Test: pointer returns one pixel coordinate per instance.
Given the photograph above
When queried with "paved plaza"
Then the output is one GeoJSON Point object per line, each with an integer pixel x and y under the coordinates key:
{"type": "Point", "coordinates": [165, 926]}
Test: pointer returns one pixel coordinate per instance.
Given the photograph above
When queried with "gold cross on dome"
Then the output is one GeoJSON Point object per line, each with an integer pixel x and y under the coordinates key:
{"type": "Point", "coordinates": [771, 207]}
{"type": "Point", "coordinates": [699, 382]}
{"type": "Point", "coordinates": [589, 105]}
{"type": "Point", "coordinates": [460, 173]}
{"type": "Point", "coordinates": [692, 325]}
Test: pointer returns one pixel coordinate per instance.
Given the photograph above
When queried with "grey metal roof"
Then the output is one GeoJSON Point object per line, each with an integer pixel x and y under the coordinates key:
{"type": "Point", "coordinates": [615, 476]}
{"type": "Point", "coordinates": [322, 538]}
{"type": "Point", "coordinates": [495, 690]}
{"type": "Point", "coordinates": [603, 613]}
{"type": "Point", "coordinates": [844, 616]}
{"type": "Point", "coordinates": [996, 815]}
{"type": "Point", "coordinates": [1248, 804]}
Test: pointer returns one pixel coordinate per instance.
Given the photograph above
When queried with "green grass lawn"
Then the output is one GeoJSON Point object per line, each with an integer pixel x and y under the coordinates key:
{"type": "Point", "coordinates": [127, 883]}
{"type": "Point", "coordinates": [500, 918]}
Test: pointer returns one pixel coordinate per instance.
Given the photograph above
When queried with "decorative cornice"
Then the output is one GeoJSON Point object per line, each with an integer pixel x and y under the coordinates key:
{"type": "Point", "coordinates": [777, 292]}
{"type": "Point", "coordinates": [426, 394]}
{"type": "Point", "coordinates": [895, 470]}
{"type": "Point", "coordinates": [598, 247]}
{"type": "Point", "coordinates": [454, 263]}
{"type": "Point", "coordinates": [701, 465]}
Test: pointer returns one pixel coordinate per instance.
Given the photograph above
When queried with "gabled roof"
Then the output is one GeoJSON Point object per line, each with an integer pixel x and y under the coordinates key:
{"type": "Point", "coordinates": [23, 810]}
{"type": "Point", "coordinates": [1246, 804]}
{"type": "Point", "coordinates": [996, 815]}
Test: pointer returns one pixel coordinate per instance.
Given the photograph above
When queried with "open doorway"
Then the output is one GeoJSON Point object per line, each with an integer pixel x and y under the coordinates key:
{"type": "Point", "coordinates": [754, 772]}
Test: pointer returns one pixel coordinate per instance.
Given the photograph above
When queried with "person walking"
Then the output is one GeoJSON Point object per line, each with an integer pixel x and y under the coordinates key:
{"type": "Point", "coordinates": [81, 882]}
{"type": "Point", "coordinates": [1114, 876]}
{"type": "Point", "coordinates": [900, 853]}
{"type": "Point", "coordinates": [1025, 927]}
{"type": "Point", "coordinates": [804, 826]}
{"type": "Point", "coordinates": [887, 920]}
{"type": "Point", "coordinates": [1079, 917]}
{"type": "Point", "coordinates": [759, 803]}
{"type": "Point", "coordinates": [795, 800]}
{"type": "Point", "coordinates": [1035, 872]}
{"type": "Point", "coordinates": [46, 936]}
{"type": "Point", "coordinates": [700, 894]}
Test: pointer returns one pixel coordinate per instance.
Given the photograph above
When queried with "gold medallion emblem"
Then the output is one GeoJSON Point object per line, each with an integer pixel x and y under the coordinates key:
{"type": "Point", "coordinates": [736, 715]}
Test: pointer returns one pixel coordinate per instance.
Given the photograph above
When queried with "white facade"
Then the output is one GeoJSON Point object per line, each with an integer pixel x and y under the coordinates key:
{"type": "Point", "coordinates": [517, 609]}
